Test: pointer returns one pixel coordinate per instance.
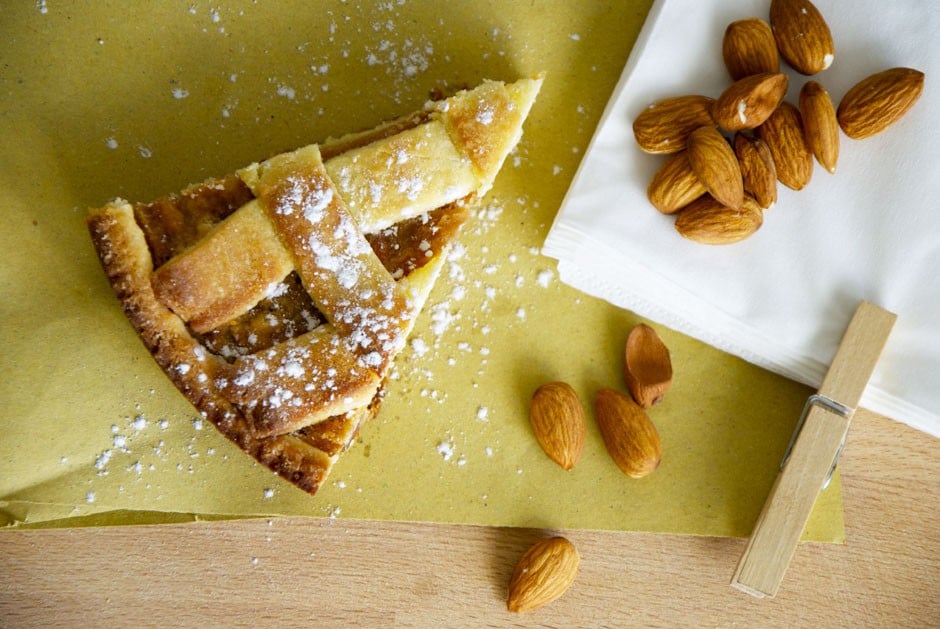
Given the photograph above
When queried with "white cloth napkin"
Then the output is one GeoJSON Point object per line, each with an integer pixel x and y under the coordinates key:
{"type": "Point", "coordinates": [782, 298]}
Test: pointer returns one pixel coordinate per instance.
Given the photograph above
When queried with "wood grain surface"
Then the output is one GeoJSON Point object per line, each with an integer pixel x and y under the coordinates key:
{"type": "Point", "coordinates": [306, 572]}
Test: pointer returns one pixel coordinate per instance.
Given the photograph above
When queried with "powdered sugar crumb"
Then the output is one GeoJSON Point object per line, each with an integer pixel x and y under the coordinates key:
{"type": "Point", "coordinates": [286, 91]}
{"type": "Point", "coordinates": [544, 278]}
{"type": "Point", "coordinates": [419, 346]}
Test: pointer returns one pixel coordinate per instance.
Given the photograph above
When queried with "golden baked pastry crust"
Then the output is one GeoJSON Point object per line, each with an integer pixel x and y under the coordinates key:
{"type": "Point", "coordinates": [276, 298]}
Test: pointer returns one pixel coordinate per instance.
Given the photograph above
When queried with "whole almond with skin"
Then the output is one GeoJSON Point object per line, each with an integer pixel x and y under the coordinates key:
{"type": "Point", "coordinates": [749, 48]}
{"type": "Point", "coordinates": [802, 34]}
{"type": "Point", "coordinates": [819, 124]}
{"type": "Point", "coordinates": [878, 101]}
{"type": "Point", "coordinates": [757, 169]}
{"type": "Point", "coordinates": [714, 163]}
{"type": "Point", "coordinates": [629, 435]}
{"type": "Point", "coordinates": [784, 136]}
{"type": "Point", "coordinates": [647, 367]}
{"type": "Point", "coordinates": [543, 574]}
{"type": "Point", "coordinates": [748, 102]}
{"type": "Point", "coordinates": [664, 126]}
{"type": "Point", "coordinates": [707, 221]}
{"type": "Point", "coordinates": [674, 185]}
{"type": "Point", "coordinates": [559, 422]}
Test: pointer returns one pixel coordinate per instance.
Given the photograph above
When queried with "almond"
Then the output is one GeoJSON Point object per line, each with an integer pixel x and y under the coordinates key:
{"type": "Point", "coordinates": [674, 185]}
{"type": "Point", "coordinates": [748, 102]}
{"type": "Point", "coordinates": [783, 134]}
{"type": "Point", "coordinates": [629, 435]}
{"type": "Point", "coordinates": [647, 366]}
{"type": "Point", "coordinates": [543, 574]}
{"type": "Point", "coordinates": [749, 48]}
{"type": "Point", "coordinates": [664, 126]}
{"type": "Point", "coordinates": [820, 125]}
{"type": "Point", "coordinates": [757, 169]}
{"type": "Point", "coordinates": [707, 221]}
{"type": "Point", "coordinates": [803, 37]}
{"type": "Point", "coordinates": [559, 423]}
{"type": "Point", "coordinates": [877, 102]}
{"type": "Point", "coordinates": [714, 163]}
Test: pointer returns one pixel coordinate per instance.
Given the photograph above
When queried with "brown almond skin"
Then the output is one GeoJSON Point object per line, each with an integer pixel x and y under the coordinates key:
{"type": "Point", "coordinates": [630, 437]}
{"type": "Point", "coordinates": [674, 185]}
{"type": "Point", "coordinates": [748, 47]}
{"type": "Point", "coordinates": [784, 136]}
{"type": "Point", "coordinates": [647, 368]}
{"type": "Point", "coordinates": [748, 102]}
{"type": "Point", "coordinates": [878, 101]}
{"type": "Point", "coordinates": [664, 126]}
{"type": "Point", "coordinates": [543, 574]}
{"type": "Point", "coordinates": [709, 222]}
{"type": "Point", "coordinates": [757, 169]}
{"type": "Point", "coordinates": [713, 161]}
{"type": "Point", "coordinates": [802, 35]}
{"type": "Point", "coordinates": [820, 125]}
{"type": "Point", "coordinates": [559, 422]}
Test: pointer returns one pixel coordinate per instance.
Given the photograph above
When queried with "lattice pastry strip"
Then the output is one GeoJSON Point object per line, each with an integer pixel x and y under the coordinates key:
{"type": "Point", "coordinates": [228, 272]}
{"type": "Point", "coordinates": [344, 277]}
{"type": "Point", "coordinates": [403, 176]}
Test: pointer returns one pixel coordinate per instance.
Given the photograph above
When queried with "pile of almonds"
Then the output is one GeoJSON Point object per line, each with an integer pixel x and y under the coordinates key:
{"type": "Point", "coordinates": [558, 418]}
{"type": "Point", "coordinates": [727, 154]}
{"type": "Point", "coordinates": [549, 567]}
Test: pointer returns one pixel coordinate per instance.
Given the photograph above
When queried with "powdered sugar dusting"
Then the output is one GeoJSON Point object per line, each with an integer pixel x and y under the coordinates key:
{"type": "Point", "coordinates": [482, 293]}
{"type": "Point", "coordinates": [134, 449]}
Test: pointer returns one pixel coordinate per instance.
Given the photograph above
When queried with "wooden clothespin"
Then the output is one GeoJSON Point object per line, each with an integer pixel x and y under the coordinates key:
{"type": "Point", "coordinates": [813, 453]}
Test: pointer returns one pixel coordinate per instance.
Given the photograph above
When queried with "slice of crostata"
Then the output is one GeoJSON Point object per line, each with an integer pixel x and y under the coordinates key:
{"type": "Point", "coordinates": [276, 298]}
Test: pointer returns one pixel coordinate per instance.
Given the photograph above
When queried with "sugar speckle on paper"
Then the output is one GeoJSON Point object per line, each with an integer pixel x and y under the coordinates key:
{"type": "Point", "coordinates": [134, 451]}
{"type": "Point", "coordinates": [286, 91]}
{"type": "Point", "coordinates": [544, 278]}
{"type": "Point", "coordinates": [446, 449]}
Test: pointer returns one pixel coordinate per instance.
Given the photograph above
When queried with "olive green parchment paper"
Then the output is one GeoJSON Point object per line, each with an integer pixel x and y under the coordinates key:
{"type": "Point", "coordinates": [137, 100]}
